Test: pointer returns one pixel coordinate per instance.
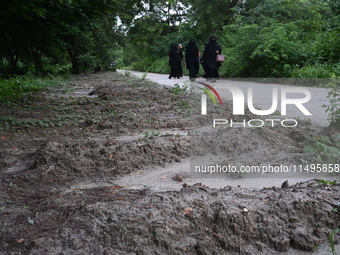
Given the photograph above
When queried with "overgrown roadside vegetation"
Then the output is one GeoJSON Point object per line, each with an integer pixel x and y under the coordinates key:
{"type": "Point", "coordinates": [63, 149]}
{"type": "Point", "coordinates": [22, 88]}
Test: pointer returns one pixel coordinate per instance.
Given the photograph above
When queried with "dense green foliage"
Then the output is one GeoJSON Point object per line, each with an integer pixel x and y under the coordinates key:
{"type": "Point", "coordinates": [260, 38]}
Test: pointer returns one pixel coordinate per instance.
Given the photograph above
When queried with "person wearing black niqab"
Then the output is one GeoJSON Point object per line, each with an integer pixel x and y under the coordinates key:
{"type": "Point", "coordinates": [192, 59]}
{"type": "Point", "coordinates": [174, 62]}
{"type": "Point", "coordinates": [208, 59]}
{"type": "Point", "coordinates": [180, 52]}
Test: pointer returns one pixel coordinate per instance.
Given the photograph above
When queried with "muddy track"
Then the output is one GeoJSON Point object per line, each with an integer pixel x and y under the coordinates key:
{"type": "Point", "coordinates": [63, 152]}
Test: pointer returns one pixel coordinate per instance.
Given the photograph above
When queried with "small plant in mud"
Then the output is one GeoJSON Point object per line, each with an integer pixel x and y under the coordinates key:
{"type": "Point", "coordinates": [184, 104]}
{"type": "Point", "coordinates": [144, 76]}
{"type": "Point", "coordinates": [323, 182]}
{"type": "Point", "coordinates": [322, 150]}
{"type": "Point", "coordinates": [303, 121]}
{"type": "Point", "coordinates": [333, 109]}
{"type": "Point", "coordinates": [149, 134]}
{"type": "Point", "coordinates": [11, 123]}
{"type": "Point", "coordinates": [332, 241]}
{"type": "Point", "coordinates": [178, 89]}
{"type": "Point", "coordinates": [181, 99]}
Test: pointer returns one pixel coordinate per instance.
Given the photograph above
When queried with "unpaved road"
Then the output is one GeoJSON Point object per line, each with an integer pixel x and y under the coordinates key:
{"type": "Point", "coordinates": [73, 161]}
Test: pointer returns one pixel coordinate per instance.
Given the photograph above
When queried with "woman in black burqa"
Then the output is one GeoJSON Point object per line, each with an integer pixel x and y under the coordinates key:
{"type": "Point", "coordinates": [192, 59]}
{"type": "Point", "coordinates": [208, 59]}
{"type": "Point", "coordinates": [174, 62]}
{"type": "Point", "coordinates": [180, 52]}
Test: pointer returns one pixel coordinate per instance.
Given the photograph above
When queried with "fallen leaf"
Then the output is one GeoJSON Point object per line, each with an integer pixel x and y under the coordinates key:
{"type": "Point", "coordinates": [4, 137]}
{"type": "Point", "coordinates": [140, 172]}
{"type": "Point", "coordinates": [21, 240]}
{"type": "Point", "coordinates": [162, 177]}
{"type": "Point", "coordinates": [187, 211]}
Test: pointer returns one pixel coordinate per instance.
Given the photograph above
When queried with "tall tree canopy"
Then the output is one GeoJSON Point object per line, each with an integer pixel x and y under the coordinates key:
{"type": "Point", "coordinates": [31, 29]}
{"type": "Point", "coordinates": [259, 37]}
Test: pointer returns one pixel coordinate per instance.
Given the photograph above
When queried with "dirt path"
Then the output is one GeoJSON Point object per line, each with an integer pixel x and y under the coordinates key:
{"type": "Point", "coordinates": [101, 166]}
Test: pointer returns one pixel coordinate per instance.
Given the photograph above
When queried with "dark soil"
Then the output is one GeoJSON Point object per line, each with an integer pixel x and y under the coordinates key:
{"type": "Point", "coordinates": [63, 151]}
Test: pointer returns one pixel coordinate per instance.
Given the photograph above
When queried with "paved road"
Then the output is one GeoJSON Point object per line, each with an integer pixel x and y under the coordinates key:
{"type": "Point", "coordinates": [161, 179]}
{"type": "Point", "coordinates": [262, 95]}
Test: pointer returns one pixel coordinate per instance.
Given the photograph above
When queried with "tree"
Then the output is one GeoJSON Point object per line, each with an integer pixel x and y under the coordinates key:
{"type": "Point", "coordinates": [209, 18]}
{"type": "Point", "coordinates": [32, 29]}
{"type": "Point", "coordinates": [270, 37]}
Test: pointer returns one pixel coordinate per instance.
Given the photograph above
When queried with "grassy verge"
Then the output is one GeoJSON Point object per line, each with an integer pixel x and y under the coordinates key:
{"type": "Point", "coordinates": [22, 87]}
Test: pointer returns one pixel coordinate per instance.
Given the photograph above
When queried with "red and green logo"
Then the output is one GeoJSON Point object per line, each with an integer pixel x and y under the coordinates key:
{"type": "Point", "coordinates": [208, 91]}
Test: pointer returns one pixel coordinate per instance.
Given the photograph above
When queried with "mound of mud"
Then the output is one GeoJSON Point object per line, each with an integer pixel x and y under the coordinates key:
{"type": "Point", "coordinates": [195, 220]}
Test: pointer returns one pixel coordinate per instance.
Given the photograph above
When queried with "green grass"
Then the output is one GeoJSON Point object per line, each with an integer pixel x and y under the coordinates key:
{"type": "Point", "coordinates": [20, 88]}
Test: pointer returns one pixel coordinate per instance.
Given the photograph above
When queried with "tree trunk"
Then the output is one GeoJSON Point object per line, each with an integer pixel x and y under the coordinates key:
{"type": "Point", "coordinates": [74, 61]}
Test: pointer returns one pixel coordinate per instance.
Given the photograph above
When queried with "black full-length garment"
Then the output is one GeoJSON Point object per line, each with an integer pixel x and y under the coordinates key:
{"type": "Point", "coordinates": [174, 62]}
{"type": "Point", "coordinates": [192, 58]}
{"type": "Point", "coordinates": [208, 59]}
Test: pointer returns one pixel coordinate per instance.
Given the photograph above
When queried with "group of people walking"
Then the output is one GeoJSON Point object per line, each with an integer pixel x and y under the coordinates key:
{"type": "Point", "coordinates": [193, 60]}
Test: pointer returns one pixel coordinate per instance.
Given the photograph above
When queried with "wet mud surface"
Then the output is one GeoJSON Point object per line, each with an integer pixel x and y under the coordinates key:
{"type": "Point", "coordinates": [64, 152]}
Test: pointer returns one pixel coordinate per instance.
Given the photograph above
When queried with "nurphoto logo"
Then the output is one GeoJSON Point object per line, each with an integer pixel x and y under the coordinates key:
{"type": "Point", "coordinates": [238, 99]}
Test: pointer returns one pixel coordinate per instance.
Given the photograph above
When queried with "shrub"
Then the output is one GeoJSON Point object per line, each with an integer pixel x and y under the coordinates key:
{"type": "Point", "coordinates": [312, 71]}
{"type": "Point", "coordinates": [160, 65]}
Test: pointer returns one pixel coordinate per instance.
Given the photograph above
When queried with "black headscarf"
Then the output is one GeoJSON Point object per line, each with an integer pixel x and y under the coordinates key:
{"type": "Point", "coordinates": [192, 47]}
{"type": "Point", "coordinates": [173, 49]}
{"type": "Point", "coordinates": [191, 52]}
{"type": "Point", "coordinates": [213, 41]}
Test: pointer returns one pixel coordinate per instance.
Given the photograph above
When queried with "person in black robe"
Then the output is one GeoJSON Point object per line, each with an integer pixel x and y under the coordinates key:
{"type": "Point", "coordinates": [174, 62]}
{"type": "Point", "coordinates": [192, 59]}
{"type": "Point", "coordinates": [180, 52]}
{"type": "Point", "coordinates": [208, 59]}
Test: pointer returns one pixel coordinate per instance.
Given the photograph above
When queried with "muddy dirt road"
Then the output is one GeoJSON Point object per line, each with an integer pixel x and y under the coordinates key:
{"type": "Point", "coordinates": [262, 93]}
{"type": "Point", "coordinates": [67, 155]}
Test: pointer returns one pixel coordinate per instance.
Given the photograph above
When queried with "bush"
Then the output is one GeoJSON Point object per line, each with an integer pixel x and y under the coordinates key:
{"type": "Point", "coordinates": [333, 108]}
{"type": "Point", "coordinates": [55, 69]}
{"type": "Point", "coordinates": [160, 65]}
{"type": "Point", "coordinates": [6, 70]}
{"type": "Point", "coordinates": [316, 71]}
{"type": "Point", "coordinates": [142, 65]}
